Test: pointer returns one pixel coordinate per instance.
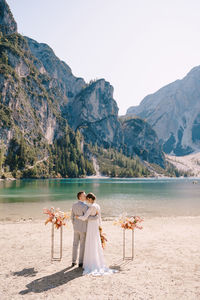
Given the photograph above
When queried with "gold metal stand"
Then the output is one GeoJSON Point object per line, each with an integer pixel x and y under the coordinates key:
{"type": "Point", "coordinates": [52, 244]}
{"type": "Point", "coordinates": [124, 246]}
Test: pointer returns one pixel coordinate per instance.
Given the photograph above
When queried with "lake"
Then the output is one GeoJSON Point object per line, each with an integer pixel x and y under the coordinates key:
{"type": "Point", "coordinates": [144, 197]}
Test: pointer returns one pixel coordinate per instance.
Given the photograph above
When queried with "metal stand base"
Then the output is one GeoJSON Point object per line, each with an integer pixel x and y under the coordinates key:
{"type": "Point", "coordinates": [124, 246]}
{"type": "Point", "coordinates": [52, 244]}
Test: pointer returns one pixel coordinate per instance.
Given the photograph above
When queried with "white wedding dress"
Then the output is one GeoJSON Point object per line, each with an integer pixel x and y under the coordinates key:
{"type": "Point", "coordinates": [93, 261]}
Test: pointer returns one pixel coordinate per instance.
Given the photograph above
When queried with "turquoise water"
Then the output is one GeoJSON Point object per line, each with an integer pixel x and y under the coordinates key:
{"type": "Point", "coordinates": [146, 197]}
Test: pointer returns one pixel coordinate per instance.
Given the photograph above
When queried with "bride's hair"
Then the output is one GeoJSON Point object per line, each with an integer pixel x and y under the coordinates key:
{"type": "Point", "coordinates": [91, 196]}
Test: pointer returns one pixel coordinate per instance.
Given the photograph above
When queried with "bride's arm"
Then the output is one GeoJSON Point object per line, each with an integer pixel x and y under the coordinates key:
{"type": "Point", "coordinates": [86, 215]}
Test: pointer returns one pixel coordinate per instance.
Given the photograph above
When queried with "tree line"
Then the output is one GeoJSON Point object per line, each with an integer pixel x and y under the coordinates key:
{"type": "Point", "coordinates": [64, 158]}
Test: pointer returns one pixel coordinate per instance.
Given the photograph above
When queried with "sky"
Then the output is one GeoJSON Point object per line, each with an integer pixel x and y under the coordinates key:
{"type": "Point", "coordinates": [137, 45]}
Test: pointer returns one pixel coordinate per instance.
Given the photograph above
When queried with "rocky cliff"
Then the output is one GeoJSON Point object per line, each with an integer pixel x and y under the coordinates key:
{"type": "Point", "coordinates": [61, 81]}
{"type": "Point", "coordinates": [7, 22]}
{"type": "Point", "coordinates": [25, 101]}
{"type": "Point", "coordinates": [40, 97]}
{"type": "Point", "coordinates": [174, 113]}
{"type": "Point", "coordinates": [89, 108]}
{"type": "Point", "coordinates": [95, 113]}
{"type": "Point", "coordinates": [140, 138]}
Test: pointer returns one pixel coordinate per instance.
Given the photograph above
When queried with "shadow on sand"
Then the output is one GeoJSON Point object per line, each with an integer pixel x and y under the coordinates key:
{"type": "Point", "coordinates": [52, 281]}
{"type": "Point", "coordinates": [30, 272]}
{"type": "Point", "coordinates": [120, 264]}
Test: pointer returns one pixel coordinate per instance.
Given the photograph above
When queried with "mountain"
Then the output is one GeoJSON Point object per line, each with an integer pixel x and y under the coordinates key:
{"type": "Point", "coordinates": [174, 113]}
{"type": "Point", "coordinates": [60, 77]}
{"type": "Point", "coordinates": [89, 108]}
{"type": "Point", "coordinates": [140, 138]}
{"type": "Point", "coordinates": [48, 116]}
{"type": "Point", "coordinates": [95, 113]}
{"type": "Point", "coordinates": [36, 140]}
{"type": "Point", "coordinates": [7, 22]}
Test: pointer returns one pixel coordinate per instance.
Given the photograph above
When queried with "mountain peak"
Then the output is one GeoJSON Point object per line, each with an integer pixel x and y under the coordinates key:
{"type": "Point", "coordinates": [7, 21]}
{"type": "Point", "coordinates": [174, 113]}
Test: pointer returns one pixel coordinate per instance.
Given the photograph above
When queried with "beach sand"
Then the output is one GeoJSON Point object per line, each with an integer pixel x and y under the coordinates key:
{"type": "Point", "coordinates": [166, 263]}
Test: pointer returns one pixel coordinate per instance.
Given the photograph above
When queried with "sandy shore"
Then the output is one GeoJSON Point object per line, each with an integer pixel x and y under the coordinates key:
{"type": "Point", "coordinates": [166, 263]}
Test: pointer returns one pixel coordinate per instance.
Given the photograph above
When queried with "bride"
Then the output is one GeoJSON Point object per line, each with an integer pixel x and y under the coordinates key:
{"type": "Point", "coordinates": [93, 261]}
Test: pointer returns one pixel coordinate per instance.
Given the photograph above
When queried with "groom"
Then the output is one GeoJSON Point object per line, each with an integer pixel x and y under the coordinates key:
{"type": "Point", "coordinates": [80, 227]}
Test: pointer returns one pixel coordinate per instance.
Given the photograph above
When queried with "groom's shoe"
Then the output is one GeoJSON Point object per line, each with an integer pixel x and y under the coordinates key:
{"type": "Point", "coordinates": [80, 265]}
{"type": "Point", "coordinates": [73, 264]}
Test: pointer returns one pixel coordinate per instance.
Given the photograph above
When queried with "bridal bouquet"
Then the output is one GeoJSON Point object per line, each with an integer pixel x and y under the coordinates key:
{"type": "Point", "coordinates": [56, 217]}
{"type": "Point", "coordinates": [129, 222]}
{"type": "Point", "coordinates": [102, 237]}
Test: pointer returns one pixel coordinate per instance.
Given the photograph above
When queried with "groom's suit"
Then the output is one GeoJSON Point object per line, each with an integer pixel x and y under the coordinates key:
{"type": "Point", "coordinates": [80, 227]}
